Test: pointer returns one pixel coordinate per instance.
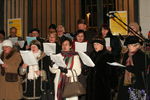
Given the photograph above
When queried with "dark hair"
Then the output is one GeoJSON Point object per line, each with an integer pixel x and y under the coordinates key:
{"type": "Point", "coordinates": [67, 39]}
{"type": "Point", "coordinates": [13, 28]}
{"type": "Point", "coordinates": [2, 32]}
{"type": "Point", "coordinates": [36, 42]}
{"type": "Point", "coordinates": [106, 27]}
{"type": "Point", "coordinates": [81, 21]}
{"type": "Point", "coordinates": [53, 26]}
{"type": "Point", "coordinates": [35, 29]}
{"type": "Point", "coordinates": [80, 31]}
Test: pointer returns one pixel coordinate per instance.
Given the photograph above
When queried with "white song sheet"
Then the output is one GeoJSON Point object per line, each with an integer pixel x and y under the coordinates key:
{"type": "Point", "coordinates": [49, 48]}
{"type": "Point", "coordinates": [28, 58]}
{"type": "Point", "coordinates": [86, 59]}
{"type": "Point", "coordinates": [81, 47]}
{"type": "Point", "coordinates": [107, 40]}
{"type": "Point", "coordinates": [58, 59]}
{"type": "Point", "coordinates": [115, 64]}
{"type": "Point", "coordinates": [14, 40]}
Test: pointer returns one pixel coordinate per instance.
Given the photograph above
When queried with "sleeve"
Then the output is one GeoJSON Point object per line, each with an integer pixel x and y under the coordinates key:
{"type": "Point", "coordinates": [76, 67]}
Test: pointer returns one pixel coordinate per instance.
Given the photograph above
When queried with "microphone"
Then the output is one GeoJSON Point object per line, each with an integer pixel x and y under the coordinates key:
{"type": "Point", "coordinates": [111, 14]}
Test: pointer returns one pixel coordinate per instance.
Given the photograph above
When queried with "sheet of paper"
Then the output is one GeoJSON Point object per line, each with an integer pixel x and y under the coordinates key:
{"type": "Point", "coordinates": [28, 58]}
{"type": "Point", "coordinates": [86, 59]}
{"type": "Point", "coordinates": [49, 48]}
{"type": "Point", "coordinates": [1, 62]}
{"type": "Point", "coordinates": [29, 39]}
{"type": "Point", "coordinates": [58, 59]}
{"type": "Point", "coordinates": [107, 40]}
{"type": "Point", "coordinates": [21, 43]}
{"type": "Point", "coordinates": [81, 47]}
{"type": "Point", "coordinates": [115, 64]}
{"type": "Point", "coordinates": [14, 40]}
{"type": "Point", "coordinates": [1, 49]}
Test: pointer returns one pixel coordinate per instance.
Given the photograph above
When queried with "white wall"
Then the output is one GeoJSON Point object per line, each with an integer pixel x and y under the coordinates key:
{"type": "Point", "coordinates": [144, 16]}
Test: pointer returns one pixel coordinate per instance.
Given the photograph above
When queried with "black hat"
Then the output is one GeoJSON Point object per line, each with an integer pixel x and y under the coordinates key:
{"type": "Point", "coordinates": [101, 41]}
{"type": "Point", "coordinates": [132, 40]}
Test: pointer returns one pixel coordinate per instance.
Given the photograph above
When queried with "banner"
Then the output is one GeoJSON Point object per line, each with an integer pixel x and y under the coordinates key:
{"type": "Point", "coordinates": [17, 23]}
{"type": "Point", "coordinates": [116, 26]}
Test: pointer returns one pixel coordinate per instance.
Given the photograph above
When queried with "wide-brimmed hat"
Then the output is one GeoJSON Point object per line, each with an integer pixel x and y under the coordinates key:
{"type": "Point", "coordinates": [7, 43]}
{"type": "Point", "coordinates": [132, 40]}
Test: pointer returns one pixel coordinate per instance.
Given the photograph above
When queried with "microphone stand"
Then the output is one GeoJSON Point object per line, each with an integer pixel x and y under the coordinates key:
{"type": "Point", "coordinates": [112, 15]}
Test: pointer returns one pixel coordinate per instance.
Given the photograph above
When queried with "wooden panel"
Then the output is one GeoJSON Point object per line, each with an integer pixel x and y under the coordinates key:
{"type": "Point", "coordinates": [5, 16]}
{"type": "Point", "coordinates": [59, 12]}
{"type": "Point", "coordinates": [26, 18]}
{"type": "Point", "coordinates": [13, 9]}
{"type": "Point", "coordinates": [48, 14]}
{"type": "Point", "coordinates": [22, 14]}
{"type": "Point", "coordinates": [77, 11]}
{"type": "Point", "coordinates": [67, 16]}
{"type": "Point", "coordinates": [54, 17]}
{"type": "Point", "coordinates": [8, 9]}
{"type": "Point", "coordinates": [131, 11]}
{"type": "Point", "coordinates": [17, 8]}
{"type": "Point", "coordinates": [72, 15]}
{"type": "Point", "coordinates": [39, 14]}
{"type": "Point", "coordinates": [44, 27]}
{"type": "Point", "coordinates": [34, 13]}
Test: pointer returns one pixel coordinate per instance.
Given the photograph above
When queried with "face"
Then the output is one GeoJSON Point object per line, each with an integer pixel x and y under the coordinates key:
{"type": "Point", "coordinates": [134, 28]}
{"type": "Point", "coordinates": [82, 27]}
{"type": "Point", "coordinates": [66, 46]}
{"type": "Point", "coordinates": [13, 32]}
{"type": "Point", "coordinates": [104, 32]}
{"type": "Point", "coordinates": [34, 34]}
{"type": "Point", "coordinates": [34, 48]}
{"type": "Point", "coordinates": [7, 49]}
{"type": "Point", "coordinates": [80, 37]}
{"type": "Point", "coordinates": [98, 47]}
{"type": "Point", "coordinates": [134, 47]}
{"type": "Point", "coordinates": [52, 38]}
{"type": "Point", "coordinates": [60, 32]}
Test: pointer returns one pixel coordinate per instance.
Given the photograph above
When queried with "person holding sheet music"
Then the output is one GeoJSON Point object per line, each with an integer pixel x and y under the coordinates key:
{"type": "Point", "coordinates": [38, 78]}
{"type": "Point", "coordinates": [53, 38]}
{"type": "Point", "coordinates": [10, 80]}
{"type": "Point", "coordinates": [115, 44]}
{"type": "Point", "coordinates": [63, 73]}
{"type": "Point", "coordinates": [80, 37]}
{"type": "Point", "coordinates": [99, 77]}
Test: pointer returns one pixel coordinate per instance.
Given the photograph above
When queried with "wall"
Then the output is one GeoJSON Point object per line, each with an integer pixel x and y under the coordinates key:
{"type": "Point", "coordinates": [144, 14]}
{"type": "Point", "coordinates": [41, 13]}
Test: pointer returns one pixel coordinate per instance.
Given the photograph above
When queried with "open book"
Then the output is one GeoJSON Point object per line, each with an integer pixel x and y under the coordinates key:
{"type": "Point", "coordinates": [81, 47]}
{"type": "Point", "coordinates": [28, 58]}
{"type": "Point", "coordinates": [49, 48]}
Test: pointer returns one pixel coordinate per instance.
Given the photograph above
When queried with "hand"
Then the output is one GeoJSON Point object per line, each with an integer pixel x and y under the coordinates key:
{"type": "Point", "coordinates": [4, 65]}
{"type": "Point", "coordinates": [38, 72]}
{"type": "Point", "coordinates": [24, 66]}
{"type": "Point", "coordinates": [109, 48]}
{"type": "Point", "coordinates": [63, 70]}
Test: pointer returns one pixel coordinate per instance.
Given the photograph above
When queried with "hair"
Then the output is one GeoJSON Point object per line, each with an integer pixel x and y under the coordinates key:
{"type": "Point", "coordinates": [57, 39]}
{"type": "Point", "coordinates": [67, 39]}
{"type": "Point", "coordinates": [35, 29]}
{"type": "Point", "coordinates": [13, 28]}
{"type": "Point", "coordinates": [53, 26]}
{"type": "Point", "coordinates": [60, 27]}
{"type": "Point", "coordinates": [78, 32]}
{"type": "Point", "coordinates": [106, 27]}
{"type": "Point", "coordinates": [36, 42]}
{"type": "Point", "coordinates": [2, 32]}
{"type": "Point", "coordinates": [81, 21]}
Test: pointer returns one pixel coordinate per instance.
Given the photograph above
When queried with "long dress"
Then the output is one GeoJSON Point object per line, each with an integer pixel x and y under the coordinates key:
{"type": "Point", "coordinates": [98, 80]}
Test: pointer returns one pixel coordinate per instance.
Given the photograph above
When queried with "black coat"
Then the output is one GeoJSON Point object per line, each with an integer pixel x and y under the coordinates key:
{"type": "Point", "coordinates": [138, 70]}
{"type": "Point", "coordinates": [98, 80]}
